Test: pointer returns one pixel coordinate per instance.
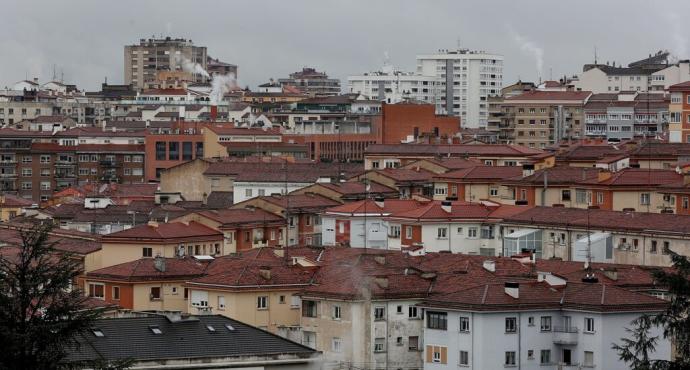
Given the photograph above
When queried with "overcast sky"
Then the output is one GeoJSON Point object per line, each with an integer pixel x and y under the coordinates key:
{"type": "Point", "coordinates": [85, 38]}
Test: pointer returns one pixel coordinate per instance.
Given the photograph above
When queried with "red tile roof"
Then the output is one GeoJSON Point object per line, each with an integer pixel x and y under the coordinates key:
{"type": "Point", "coordinates": [145, 270]}
{"type": "Point", "coordinates": [434, 210]}
{"type": "Point", "coordinates": [602, 219]}
{"type": "Point", "coordinates": [369, 206]}
{"type": "Point", "coordinates": [354, 188]}
{"type": "Point", "coordinates": [470, 150]}
{"type": "Point", "coordinates": [9, 200]}
{"type": "Point", "coordinates": [164, 233]}
{"type": "Point", "coordinates": [482, 173]}
{"type": "Point", "coordinates": [575, 96]}
{"type": "Point", "coordinates": [230, 129]}
{"type": "Point", "coordinates": [401, 175]}
{"type": "Point", "coordinates": [559, 175]}
{"type": "Point", "coordinates": [643, 177]}
{"type": "Point", "coordinates": [240, 217]}
{"type": "Point", "coordinates": [540, 295]}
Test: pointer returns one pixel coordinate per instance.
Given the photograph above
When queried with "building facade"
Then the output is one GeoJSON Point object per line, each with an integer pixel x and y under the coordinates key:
{"type": "Point", "coordinates": [468, 78]}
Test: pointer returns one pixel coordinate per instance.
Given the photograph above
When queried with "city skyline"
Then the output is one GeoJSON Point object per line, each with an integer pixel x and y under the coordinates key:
{"type": "Point", "coordinates": [270, 45]}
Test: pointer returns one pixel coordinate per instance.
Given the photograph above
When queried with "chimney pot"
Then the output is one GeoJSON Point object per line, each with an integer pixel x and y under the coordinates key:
{"type": "Point", "coordinates": [512, 289]}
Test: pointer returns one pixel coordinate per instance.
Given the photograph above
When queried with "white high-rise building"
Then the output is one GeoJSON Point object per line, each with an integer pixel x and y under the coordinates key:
{"type": "Point", "coordinates": [476, 76]}
{"type": "Point", "coordinates": [393, 86]}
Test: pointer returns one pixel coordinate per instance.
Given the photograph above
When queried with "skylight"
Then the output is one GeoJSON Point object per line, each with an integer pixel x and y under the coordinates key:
{"type": "Point", "coordinates": [156, 330]}
{"type": "Point", "coordinates": [229, 327]}
{"type": "Point", "coordinates": [98, 333]}
{"type": "Point", "coordinates": [210, 328]}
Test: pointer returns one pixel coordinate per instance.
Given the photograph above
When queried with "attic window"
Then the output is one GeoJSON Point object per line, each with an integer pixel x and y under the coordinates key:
{"type": "Point", "coordinates": [211, 328]}
{"type": "Point", "coordinates": [98, 333]}
{"type": "Point", "coordinates": [156, 330]}
{"type": "Point", "coordinates": [229, 327]}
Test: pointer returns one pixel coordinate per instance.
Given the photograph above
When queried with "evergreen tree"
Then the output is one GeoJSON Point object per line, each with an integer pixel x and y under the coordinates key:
{"type": "Point", "coordinates": [40, 310]}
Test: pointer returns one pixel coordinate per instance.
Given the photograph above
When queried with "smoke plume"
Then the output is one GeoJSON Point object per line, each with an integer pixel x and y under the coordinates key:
{"type": "Point", "coordinates": [221, 84]}
{"type": "Point", "coordinates": [680, 42]}
{"type": "Point", "coordinates": [530, 47]}
{"type": "Point", "coordinates": [191, 67]}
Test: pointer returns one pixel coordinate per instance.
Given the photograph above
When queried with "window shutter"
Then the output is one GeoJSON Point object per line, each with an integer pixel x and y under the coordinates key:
{"type": "Point", "coordinates": [429, 353]}
{"type": "Point", "coordinates": [444, 355]}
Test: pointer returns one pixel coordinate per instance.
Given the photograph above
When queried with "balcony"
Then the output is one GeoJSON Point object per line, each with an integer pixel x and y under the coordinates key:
{"type": "Point", "coordinates": [110, 178]}
{"type": "Point", "coordinates": [8, 163]}
{"type": "Point", "coordinates": [65, 175]}
{"type": "Point", "coordinates": [8, 175]}
{"type": "Point", "coordinates": [107, 163]}
{"type": "Point", "coordinates": [565, 335]}
{"type": "Point", "coordinates": [62, 163]}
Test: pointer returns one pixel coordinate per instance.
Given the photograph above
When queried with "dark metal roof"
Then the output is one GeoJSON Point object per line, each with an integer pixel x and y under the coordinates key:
{"type": "Point", "coordinates": [133, 338]}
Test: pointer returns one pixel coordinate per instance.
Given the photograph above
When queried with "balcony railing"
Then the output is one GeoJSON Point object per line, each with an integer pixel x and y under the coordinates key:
{"type": "Point", "coordinates": [108, 163]}
{"type": "Point", "coordinates": [565, 335]}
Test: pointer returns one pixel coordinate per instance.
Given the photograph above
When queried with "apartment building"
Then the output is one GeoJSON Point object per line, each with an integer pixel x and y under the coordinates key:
{"type": "Point", "coordinates": [654, 73]}
{"type": "Point", "coordinates": [679, 113]}
{"type": "Point", "coordinates": [302, 212]}
{"type": "Point", "coordinates": [634, 238]}
{"type": "Point", "coordinates": [312, 82]}
{"type": "Point", "coordinates": [36, 164]}
{"type": "Point", "coordinates": [168, 150]}
{"type": "Point", "coordinates": [143, 61]}
{"type": "Point", "coordinates": [397, 155]}
{"type": "Point", "coordinates": [542, 118]}
{"type": "Point", "coordinates": [624, 116]}
{"type": "Point", "coordinates": [154, 239]}
{"type": "Point", "coordinates": [468, 78]}
{"type": "Point", "coordinates": [547, 324]}
{"type": "Point", "coordinates": [394, 86]}
{"type": "Point", "coordinates": [147, 284]}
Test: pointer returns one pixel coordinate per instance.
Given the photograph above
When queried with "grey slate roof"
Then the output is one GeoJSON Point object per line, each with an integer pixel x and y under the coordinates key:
{"type": "Point", "coordinates": [133, 338]}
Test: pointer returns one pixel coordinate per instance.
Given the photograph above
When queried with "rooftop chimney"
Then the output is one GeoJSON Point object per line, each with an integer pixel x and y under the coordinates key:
{"type": "Point", "coordinates": [214, 113]}
{"type": "Point", "coordinates": [489, 265]}
{"type": "Point", "coordinates": [512, 289]}
{"type": "Point", "coordinates": [153, 223]}
{"type": "Point", "coordinates": [379, 202]}
{"type": "Point", "coordinates": [265, 272]}
{"type": "Point", "coordinates": [159, 263]}
{"type": "Point", "coordinates": [447, 206]}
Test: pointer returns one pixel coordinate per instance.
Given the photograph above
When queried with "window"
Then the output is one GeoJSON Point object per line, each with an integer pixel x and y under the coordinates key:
{"type": "Point", "coordinates": [45, 185]}
{"type": "Point", "coordinates": [565, 195]}
{"type": "Point", "coordinates": [511, 325]}
{"type": "Point", "coordinates": [436, 354]}
{"type": "Point", "coordinates": [653, 247]}
{"type": "Point", "coordinates": [337, 313]}
{"type": "Point", "coordinates": [666, 249]}
{"type": "Point", "coordinates": [116, 293]}
{"type": "Point", "coordinates": [436, 320]}
{"type": "Point", "coordinates": [545, 323]}
{"type": "Point", "coordinates": [581, 196]}
{"type": "Point", "coordinates": [413, 343]}
{"type": "Point", "coordinates": [600, 197]}
{"type": "Point", "coordinates": [686, 202]}
{"type": "Point", "coordinates": [262, 302]}
{"type": "Point", "coordinates": [45, 158]}
{"type": "Point", "coordinates": [26, 186]}
{"type": "Point", "coordinates": [545, 357]}
{"type": "Point", "coordinates": [147, 252]}
{"type": "Point", "coordinates": [493, 191]}
{"type": "Point", "coordinates": [530, 354]}
{"type": "Point", "coordinates": [413, 312]}
{"type": "Point", "coordinates": [96, 290]}
{"type": "Point", "coordinates": [379, 313]}
{"type": "Point", "coordinates": [530, 321]}
{"type": "Point", "coordinates": [380, 345]}
{"type": "Point", "coordinates": [221, 302]}
{"type": "Point", "coordinates": [589, 325]}
{"type": "Point", "coordinates": [589, 359]}
{"type": "Point", "coordinates": [408, 232]}
{"type": "Point", "coordinates": [336, 345]}
{"type": "Point", "coordinates": [394, 231]}
{"type": "Point", "coordinates": [26, 172]}
{"type": "Point", "coordinates": [510, 358]}
{"type": "Point", "coordinates": [464, 358]}
{"type": "Point", "coordinates": [464, 324]}
{"type": "Point", "coordinates": [160, 150]}
{"type": "Point", "coordinates": [26, 159]}
{"type": "Point", "coordinates": [155, 292]}
{"type": "Point", "coordinates": [487, 232]}
{"type": "Point", "coordinates": [644, 198]}
{"type": "Point", "coordinates": [309, 308]}
{"type": "Point", "coordinates": [472, 232]}
{"type": "Point", "coordinates": [186, 151]}
{"type": "Point", "coordinates": [248, 192]}
{"type": "Point", "coordinates": [442, 233]}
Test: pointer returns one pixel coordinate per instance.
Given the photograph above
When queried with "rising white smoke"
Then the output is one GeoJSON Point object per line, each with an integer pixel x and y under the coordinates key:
{"type": "Point", "coordinates": [191, 67]}
{"type": "Point", "coordinates": [680, 42]}
{"type": "Point", "coordinates": [221, 84]}
{"type": "Point", "coordinates": [530, 47]}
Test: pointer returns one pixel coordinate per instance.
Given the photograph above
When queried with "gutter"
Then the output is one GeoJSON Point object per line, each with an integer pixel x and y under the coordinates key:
{"type": "Point", "coordinates": [239, 364]}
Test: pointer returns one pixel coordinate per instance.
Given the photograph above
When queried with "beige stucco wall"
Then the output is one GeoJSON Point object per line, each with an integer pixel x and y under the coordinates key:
{"type": "Point", "coordinates": [169, 301]}
{"type": "Point", "coordinates": [631, 199]}
{"type": "Point", "coordinates": [188, 179]}
{"type": "Point", "coordinates": [242, 306]}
